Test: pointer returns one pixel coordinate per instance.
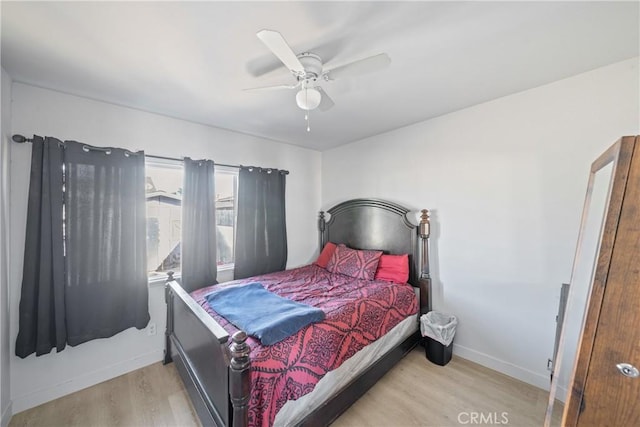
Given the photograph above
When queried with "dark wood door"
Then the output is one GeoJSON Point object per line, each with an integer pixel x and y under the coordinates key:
{"type": "Point", "coordinates": [601, 395]}
{"type": "Point", "coordinates": [609, 397]}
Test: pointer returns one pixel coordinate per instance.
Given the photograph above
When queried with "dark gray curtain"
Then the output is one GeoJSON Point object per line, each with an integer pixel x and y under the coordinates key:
{"type": "Point", "coordinates": [199, 240]}
{"type": "Point", "coordinates": [106, 256]}
{"type": "Point", "coordinates": [261, 234]}
{"type": "Point", "coordinates": [85, 268]}
{"type": "Point", "coordinates": [42, 306]}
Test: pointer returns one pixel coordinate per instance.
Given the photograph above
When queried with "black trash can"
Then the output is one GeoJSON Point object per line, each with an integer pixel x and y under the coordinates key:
{"type": "Point", "coordinates": [437, 352]}
{"type": "Point", "coordinates": [438, 331]}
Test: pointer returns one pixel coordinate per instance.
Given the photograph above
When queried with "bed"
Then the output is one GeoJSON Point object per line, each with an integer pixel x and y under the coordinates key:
{"type": "Point", "coordinates": [230, 377]}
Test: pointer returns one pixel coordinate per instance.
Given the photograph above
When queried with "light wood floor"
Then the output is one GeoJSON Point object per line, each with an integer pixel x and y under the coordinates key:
{"type": "Point", "coordinates": [151, 396]}
{"type": "Point", "coordinates": [419, 393]}
{"type": "Point", "coordinates": [415, 393]}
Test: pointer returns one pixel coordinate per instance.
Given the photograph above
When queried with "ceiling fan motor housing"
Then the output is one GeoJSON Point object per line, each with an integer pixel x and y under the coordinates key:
{"type": "Point", "coordinates": [312, 64]}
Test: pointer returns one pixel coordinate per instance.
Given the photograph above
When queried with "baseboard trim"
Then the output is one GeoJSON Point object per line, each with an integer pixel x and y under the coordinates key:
{"type": "Point", "coordinates": [6, 415]}
{"type": "Point", "coordinates": [534, 378]}
{"type": "Point", "coordinates": [38, 397]}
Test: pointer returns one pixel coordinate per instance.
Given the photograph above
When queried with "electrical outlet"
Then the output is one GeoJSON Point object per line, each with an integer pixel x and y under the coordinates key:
{"type": "Point", "coordinates": [151, 329]}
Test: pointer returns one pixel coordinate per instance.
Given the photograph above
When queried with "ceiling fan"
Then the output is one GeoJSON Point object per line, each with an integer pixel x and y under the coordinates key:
{"type": "Point", "coordinates": [307, 69]}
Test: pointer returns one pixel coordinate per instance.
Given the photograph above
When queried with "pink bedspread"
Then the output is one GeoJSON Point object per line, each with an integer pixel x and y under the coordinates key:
{"type": "Point", "coordinates": [357, 313]}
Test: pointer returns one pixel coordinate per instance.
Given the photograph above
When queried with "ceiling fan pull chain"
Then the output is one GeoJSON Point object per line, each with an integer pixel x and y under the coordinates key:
{"type": "Point", "coordinates": [308, 113]}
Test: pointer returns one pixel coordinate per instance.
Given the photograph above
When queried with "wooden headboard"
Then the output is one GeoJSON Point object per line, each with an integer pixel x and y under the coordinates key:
{"type": "Point", "coordinates": [381, 225]}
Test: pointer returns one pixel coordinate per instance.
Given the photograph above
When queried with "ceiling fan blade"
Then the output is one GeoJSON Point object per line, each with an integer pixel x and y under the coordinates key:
{"type": "Point", "coordinates": [278, 45]}
{"type": "Point", "coordinates": [267, 63]}
{"type": "Point", "coordinates": [275, 87]}
{"type": "Point", "coordinates": [362, 66]}
{"type": "Point", "coordinates": [325, 102]}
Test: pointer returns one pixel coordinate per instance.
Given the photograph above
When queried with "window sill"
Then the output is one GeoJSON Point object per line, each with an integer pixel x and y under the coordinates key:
{"type": "Point", "coordinates": [226, 267]}
{"type": "Point", "coordinates": [159, 280]}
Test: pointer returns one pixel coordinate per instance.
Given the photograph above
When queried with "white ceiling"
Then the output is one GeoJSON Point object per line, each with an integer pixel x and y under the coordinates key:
{"type": "Point", "coordinates": [192, 60]}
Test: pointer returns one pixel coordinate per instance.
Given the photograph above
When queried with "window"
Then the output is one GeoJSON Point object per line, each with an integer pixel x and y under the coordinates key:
{"type": "Point", "coordinates": [226, 203]}
{"type": "Point", "coordinates": [164, 207]}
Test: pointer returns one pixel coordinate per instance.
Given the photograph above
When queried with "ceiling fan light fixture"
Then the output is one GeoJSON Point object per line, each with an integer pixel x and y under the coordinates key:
{"type": "Point", "coordinates": [308, 98]}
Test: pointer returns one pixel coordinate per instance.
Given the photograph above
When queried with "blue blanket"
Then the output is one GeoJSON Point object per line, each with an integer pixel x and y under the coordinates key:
{"type": "Point", "coordinates": [261, 313]}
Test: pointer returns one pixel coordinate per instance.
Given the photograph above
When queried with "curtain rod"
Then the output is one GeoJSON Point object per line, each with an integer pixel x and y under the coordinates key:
{"type": "Point", "coordinates": [21, 139]}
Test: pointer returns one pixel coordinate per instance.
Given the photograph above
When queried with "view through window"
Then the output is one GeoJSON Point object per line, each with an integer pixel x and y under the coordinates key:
{"type": "Point", "coordinates": [164, 208]}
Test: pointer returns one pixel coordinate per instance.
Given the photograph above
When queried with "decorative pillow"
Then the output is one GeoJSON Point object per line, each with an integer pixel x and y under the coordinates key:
{"type": "Point", "coordinates": [393, 268]}
{"type": "Point", "coordinates": [325, 255]}
{"type": "Point", "coordinates": [354, 263]}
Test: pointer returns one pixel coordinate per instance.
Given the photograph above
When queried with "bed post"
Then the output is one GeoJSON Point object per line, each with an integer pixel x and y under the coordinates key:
{"type": "Point", "coordinates": [321, 228]}
{"type": "Point", "coordinates": [424, 231]}
{"type": "Point", "coordinates": [168, 299]}
{"type": "Point", "coordinates": [240, 379]}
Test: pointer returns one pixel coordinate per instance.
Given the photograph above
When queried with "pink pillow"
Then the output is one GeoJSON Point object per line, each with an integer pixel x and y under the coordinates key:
{"type": "Point", "coordinates": [354, 263]}
{"type": "Point", "coordinates": [325, 255]}
{"type": "Point", "coordinates": [393, 268]}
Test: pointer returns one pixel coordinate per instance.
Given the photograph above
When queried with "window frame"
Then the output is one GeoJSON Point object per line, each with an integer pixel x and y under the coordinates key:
{"type": "Point", "coordinates": [160, 278]}
{"type": "Point", "coordinates": [227, 170]}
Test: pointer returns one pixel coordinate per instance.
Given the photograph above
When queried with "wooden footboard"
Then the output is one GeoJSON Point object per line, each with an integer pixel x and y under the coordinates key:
{"type": "Point", "coordinates": [216, 376]}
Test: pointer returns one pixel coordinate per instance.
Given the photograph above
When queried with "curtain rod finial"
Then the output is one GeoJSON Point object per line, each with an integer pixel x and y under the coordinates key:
{"type": "Point", "coordinates": [19, 138]}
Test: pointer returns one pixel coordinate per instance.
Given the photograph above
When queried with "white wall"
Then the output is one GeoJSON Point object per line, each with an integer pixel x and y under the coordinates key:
{"type": "Point", "coordinates": [38, 379]}
{"type": "Point", "coordinates": [505, 182]}
{"type": "Point", "coordinates": [5, 135]}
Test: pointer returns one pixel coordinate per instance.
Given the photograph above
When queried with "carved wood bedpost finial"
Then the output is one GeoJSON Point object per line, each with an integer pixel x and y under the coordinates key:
{"type": "Point", "coordinates": [425, 225]}
{"type": "Point", "coordinates": [170, 276]}
{"type": "Point", "coordinates": [239, 378]}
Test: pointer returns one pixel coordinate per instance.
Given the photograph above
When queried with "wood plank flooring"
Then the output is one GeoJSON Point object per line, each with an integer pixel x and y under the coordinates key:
{"type": "Point", "coordinates": [419, 393]}
{"type": "Point", "coordinates": [415, 393]}
{"type": "Point", "coordinates": [151, 396]}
